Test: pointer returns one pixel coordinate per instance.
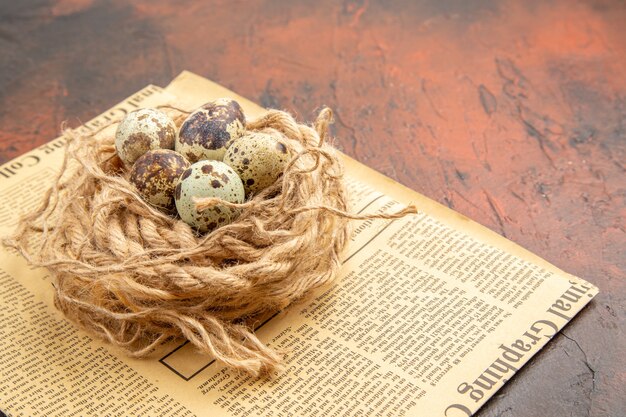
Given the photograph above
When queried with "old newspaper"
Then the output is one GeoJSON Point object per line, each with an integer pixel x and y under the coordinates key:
{"type": "Point", "coordinates": [432, 315]}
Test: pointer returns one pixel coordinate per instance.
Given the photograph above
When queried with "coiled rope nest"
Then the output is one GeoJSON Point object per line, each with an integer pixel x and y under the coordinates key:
{"type": "Point", "coordinates": [137, 277]}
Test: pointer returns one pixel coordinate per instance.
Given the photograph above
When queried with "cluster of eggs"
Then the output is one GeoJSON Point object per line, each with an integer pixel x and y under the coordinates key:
{"type": "Point", "coordinates": [212, 155]}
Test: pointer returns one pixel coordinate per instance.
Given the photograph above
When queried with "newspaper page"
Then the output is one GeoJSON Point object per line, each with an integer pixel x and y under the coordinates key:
{"type": "Point", "coordinates": [433, 313]}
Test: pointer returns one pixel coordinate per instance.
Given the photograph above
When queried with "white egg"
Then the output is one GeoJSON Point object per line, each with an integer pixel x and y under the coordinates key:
{"type": "Point", "coordinates": [143, 130]}
{"type": "Point", "coordinates": [259, 159]}
{"type": "Point", "coordinates": [208, 179]}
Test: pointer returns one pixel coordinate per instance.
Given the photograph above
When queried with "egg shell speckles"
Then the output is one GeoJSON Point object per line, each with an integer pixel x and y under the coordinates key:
{"type": "Point", "coordinates": [208, 179]}
{"type": "Point", "coordinates": [155, 176]}
{"type": "Point", "coordinates": [143, 130]}
{"type": "Point", "coordinates": [209, 131]}
{"type": "Point", "coordinates": [259, 159]}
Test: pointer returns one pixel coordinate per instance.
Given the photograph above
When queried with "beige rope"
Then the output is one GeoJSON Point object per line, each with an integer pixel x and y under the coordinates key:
{"type": "Point", "coordinates": [137, 277]}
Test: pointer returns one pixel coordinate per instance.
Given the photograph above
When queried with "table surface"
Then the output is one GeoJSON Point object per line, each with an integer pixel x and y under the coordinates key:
{"type": "Point", "coordinates": [510, 112]}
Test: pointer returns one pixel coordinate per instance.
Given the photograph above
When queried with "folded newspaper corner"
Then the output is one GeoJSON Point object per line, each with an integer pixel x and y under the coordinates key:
{"type": "Point", "coordinates": [431, 315]}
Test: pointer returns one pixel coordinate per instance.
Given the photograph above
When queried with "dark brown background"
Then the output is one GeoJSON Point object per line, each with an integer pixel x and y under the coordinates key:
{"type": "Point", "coordinates": [511, 112]}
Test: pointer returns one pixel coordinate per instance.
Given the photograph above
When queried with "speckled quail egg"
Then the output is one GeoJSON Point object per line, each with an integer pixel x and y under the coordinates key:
{"type": "Point", "coordinates": [208, 179]}
{"type": "Point", "coordinates": [258, 158]}
{"type": "Point", "coordinates": [155, 176]}
{"type": "Point", "coordinates": [143, 130]}
{"type": "Point", "coordinates": [209, 131]}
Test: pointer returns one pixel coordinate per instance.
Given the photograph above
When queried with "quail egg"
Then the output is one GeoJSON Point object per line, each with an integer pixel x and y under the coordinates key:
{"type": "Point", "coordinates": [155, 175]}
{"type": "Point", "coordinates": [258, 158]}
{"type": "Point", "coordinates": [208, 179]}
{"type": "Point", "coordinates": [208, 131]}
{"type": "Point", "coordinates": [143, 130]}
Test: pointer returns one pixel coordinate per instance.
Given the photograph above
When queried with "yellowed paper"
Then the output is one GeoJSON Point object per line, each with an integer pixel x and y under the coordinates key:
{"type": "Point", "coordinates": [432, 315]}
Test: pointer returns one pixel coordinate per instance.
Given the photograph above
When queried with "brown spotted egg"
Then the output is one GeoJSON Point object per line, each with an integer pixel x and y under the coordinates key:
{"type": "Point", "coordinates": [259, 159]}
{"type": "Point", "coordinates": [143, 130]}
{"type": "Point", "coordinates": [209, 131]}
{"type": "Point", "coordinates": [208, 179]}
{"type": "Point", "coordinates": [155, 176]}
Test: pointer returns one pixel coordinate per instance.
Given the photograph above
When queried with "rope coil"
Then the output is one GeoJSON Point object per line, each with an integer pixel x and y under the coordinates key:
{"type": "Point", "coordinates": [136, 277]}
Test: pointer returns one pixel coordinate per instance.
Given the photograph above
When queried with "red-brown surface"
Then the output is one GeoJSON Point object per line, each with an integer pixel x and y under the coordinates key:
{"type": "Point", "coordinates": [512, 113]}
